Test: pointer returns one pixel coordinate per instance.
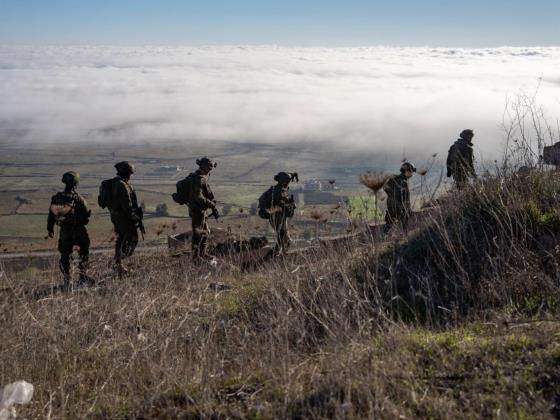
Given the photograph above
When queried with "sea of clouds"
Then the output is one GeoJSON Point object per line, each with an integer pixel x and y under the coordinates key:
{"type": "Point", "coordinates": [375, 98]}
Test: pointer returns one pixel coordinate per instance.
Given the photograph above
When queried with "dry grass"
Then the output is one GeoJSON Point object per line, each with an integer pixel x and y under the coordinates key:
{"type": "Point", "coordinates": [361, 330]}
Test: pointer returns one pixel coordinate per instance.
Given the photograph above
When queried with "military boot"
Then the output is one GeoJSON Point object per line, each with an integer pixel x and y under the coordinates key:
{"type": "Point", "coordinates": [67, 276]}
{"type": "Point", "coordinates": [120, 269]}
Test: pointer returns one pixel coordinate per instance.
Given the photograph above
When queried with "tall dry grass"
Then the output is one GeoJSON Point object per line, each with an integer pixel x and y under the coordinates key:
{"type": "Point", "coordinates": [336, 332]}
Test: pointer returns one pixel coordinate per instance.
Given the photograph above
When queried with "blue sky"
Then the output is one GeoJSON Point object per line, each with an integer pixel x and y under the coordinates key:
{"type": "Point", "coordinates": [472, 23]}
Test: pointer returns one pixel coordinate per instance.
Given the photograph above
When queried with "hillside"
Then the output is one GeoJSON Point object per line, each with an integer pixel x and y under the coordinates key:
{"type": "Point", "coordinates": [461, 318]}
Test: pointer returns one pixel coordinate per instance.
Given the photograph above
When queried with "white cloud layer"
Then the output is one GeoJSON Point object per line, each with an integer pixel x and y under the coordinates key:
{"type": "Point", "coordinates": [387, 99]}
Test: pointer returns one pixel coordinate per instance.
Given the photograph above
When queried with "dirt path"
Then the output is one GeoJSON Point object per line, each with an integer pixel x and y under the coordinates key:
{"type": "Point", "coordinates": [45, 254]}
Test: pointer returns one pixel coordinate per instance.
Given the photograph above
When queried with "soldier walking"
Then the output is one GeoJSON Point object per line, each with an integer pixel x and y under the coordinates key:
{"type": "Point", "coordinates": [200, 200]}
{"type": "Point", "coordinates": [119, 196]}
{"type": "Point", "coordinates": [398, 197]}
{"type": "Point", "coordinates": [460, 159]}
{"type": "Point", "coordinates": [277, 206]}
{"type": "Point", "coordinates": [70, 211]}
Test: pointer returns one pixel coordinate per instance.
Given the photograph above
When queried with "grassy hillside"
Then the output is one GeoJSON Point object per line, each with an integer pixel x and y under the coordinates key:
{"type": "Point", "coordinates": [460, 319]}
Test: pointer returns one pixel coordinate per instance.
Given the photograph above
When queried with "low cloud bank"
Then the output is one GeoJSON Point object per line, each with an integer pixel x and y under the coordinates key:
{"type": "Point", "coordinates": [387, 99]}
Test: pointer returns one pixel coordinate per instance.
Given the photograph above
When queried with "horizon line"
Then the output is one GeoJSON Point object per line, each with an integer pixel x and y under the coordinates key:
{"type": "Point", "coordinates": [271, 45]}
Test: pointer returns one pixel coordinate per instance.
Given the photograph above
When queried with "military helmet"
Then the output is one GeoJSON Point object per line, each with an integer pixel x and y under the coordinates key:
{"type": "Point", "coordinates": [125, 168]}
{"type": "Point", "coordinates": [408, 166]}
{"type": "Point", "coordinates": [467, 134]}
{"type": "Point", "coordinates": [206, 162]}
{"type": "Point", "coordinates": [71, 178]}
{"type": "Point", "coordinates": [286, 177]}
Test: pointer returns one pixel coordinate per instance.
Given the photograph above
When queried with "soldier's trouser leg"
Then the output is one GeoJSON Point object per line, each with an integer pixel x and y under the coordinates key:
{"type": "Point", "coordinates": [82, 240]}
{"type": "Point", "coordinates": [404, 218]}
{"type": "Point", "coordinates": [200, 233]}
{"type": "Point", "coordinates": [396, 216]}
{"type": "Point", "coordinates": [280, 226]}
{"type": "Point", "coordinates": [389, 221]}
{"type": "Point", "coordinates": [284, 235]}
{"type": "Point", "coordinates": [127, 240]}
{"type": "Point", "coordinates": [65, 245]}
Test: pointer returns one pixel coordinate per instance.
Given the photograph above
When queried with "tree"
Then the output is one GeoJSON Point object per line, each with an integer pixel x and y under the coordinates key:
{"type": "Point", "coordinates": [162, 210]}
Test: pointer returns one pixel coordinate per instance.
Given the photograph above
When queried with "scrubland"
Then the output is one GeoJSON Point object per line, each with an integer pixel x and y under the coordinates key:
{"type": "Point", "coordinates": [458, 319]}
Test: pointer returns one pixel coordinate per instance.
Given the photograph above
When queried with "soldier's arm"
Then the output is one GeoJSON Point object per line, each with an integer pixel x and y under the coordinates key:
{"type": "Point", "coordinates": [50, 222]}
{"type": "Point", "coordinates": [287, 198]}
{"type": "Point", "coordinates": [450, 155]}
{"type": "Point", "coordinates": [199, 198]}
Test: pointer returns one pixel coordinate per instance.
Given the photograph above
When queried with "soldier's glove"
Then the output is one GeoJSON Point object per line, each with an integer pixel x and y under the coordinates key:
{"type": "Point", "coordinates": [51, 233]}
{"type": "Point", "coordinates": [135, 218]}
{"type": "Point", "coordinates": [215, 213]}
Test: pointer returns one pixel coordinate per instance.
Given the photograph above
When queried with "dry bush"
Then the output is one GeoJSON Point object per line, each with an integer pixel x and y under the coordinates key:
{"type": "Point", "coordinates": [471, 249]}
{"type": "Point", "coordinates": [373, 182]}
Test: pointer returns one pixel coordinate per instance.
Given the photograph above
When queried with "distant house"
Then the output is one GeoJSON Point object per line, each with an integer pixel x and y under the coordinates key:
{"type": "Point", "coordinates": [166, 170]}
{"type": "Point", "coordinates": [317, 185]}
{"type": "Point", "coordinates": [312, 185]}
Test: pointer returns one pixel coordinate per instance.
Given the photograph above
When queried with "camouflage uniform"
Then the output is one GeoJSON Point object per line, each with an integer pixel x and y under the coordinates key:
{"type": "Point", "coordinates": [282, 209]}
{"type": "Point", "coordinates": [201, 200]}
{"type": "Point", "coordinates": [460, 160]}
{"type": "Point", "coordinates": [73, 231]}
{"type": "Point", "coordinates": [125, 216]}
{"type": "Point", "coordinates": [398, 201]}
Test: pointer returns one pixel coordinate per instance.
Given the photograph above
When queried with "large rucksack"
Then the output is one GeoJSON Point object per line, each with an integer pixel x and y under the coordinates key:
{"type": "Point", "coordinates": [105, 197]}
{"type": "Point", "coordinates": [63, 208]}
{"type": "Point", "coordinates": [265, 204]}
{"type": "Point", "coordinates": [183, 187]}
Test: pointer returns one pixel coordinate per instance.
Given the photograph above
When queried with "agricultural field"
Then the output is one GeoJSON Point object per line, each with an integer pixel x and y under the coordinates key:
{"type": "Point", "coordinates": [30, 175]}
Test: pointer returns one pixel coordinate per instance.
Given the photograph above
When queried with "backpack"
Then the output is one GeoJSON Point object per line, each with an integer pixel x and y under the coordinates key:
{"type": "Point", "coordinates": [105, 197]}
{"type": "Point", "coordinates": [265, 204]}
{"type": "Point", "coordinates": [183, 194]}
{"type": "Point", "coordinates": [63, 208]}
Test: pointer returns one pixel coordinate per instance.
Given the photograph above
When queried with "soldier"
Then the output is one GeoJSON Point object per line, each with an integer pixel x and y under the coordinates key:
{"type": "Point", "coordinates": [460, 159]}
{"type": "Point", "coordinates": [126, 215]}
{"type": "Point", "coordinates": [282, 207]}
{"type": "Point", "coordinates": [398, 197]}
{"type": "Point", "coordinates": [200, 200]}
{"type": "Point", "coordinates": [70, 211]}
